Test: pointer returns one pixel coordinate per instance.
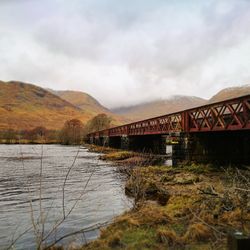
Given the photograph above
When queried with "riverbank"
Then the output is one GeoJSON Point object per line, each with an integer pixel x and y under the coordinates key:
{"type": "Point", "coordinates": [28, 142]}
{"type": "Point", "coordinates": [185, 207]}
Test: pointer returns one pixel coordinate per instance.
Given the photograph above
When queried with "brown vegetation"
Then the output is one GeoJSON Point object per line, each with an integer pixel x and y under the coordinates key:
{"type": "Point", "coordinates": [97, 123]}
{"type": "Point", "coordinates": [204, 203]}
{"type": "Point", "coordinates": [72, 132]}
{"type": "Point", "coordinates": [25, 106]}
{"type": "Point", "coordinates": [82, 100]}
{"type": "Point", "coordinates": [37, 135]}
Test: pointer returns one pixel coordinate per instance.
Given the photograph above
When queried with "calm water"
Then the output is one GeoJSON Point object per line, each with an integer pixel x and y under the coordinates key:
{"type": "Point", "coordinates": [96, 202]}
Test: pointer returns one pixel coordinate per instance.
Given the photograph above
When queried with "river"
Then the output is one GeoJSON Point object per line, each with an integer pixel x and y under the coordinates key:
{"type": "Point", "coordinates": [31, 189]}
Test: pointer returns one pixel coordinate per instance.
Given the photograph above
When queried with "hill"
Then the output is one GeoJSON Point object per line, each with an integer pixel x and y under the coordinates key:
{"type": "Point", "coordinates": [177, 103]}
{"type": "Point", "coordinates": [82, 100]}
{"type": "Point", "coordinates": [159, 107]}
{"type": "Point", "coordinates": [229, 93]}
{"type": "Point", "coordinates": [25, 106]}
{"type": "Point", "coordinates": [89, 104]}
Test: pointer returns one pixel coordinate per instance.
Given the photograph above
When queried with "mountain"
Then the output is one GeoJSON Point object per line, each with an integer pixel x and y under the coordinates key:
{"type": "Point", "coordinates": [229, 93]}
{"type": "Point", "coordinates": [82, 100]}
{"type": "Point", "coordinates": [26, 106]}
{"type": "Point", "coordinates": [159, 107]}
{"type": "Point", "coordinates": [177, 103]}
{"type": "Point", "coordinates": [89, 104]}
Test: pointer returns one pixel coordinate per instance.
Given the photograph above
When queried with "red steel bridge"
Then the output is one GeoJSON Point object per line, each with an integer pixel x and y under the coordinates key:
{"type": "Point", "coordinates": [229, 115]}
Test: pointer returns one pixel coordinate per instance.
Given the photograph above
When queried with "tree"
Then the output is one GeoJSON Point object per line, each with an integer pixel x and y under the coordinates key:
{"type": "Point", "coordinates": [37, 134]}
{"type": "Point", "coordinates": [99, 122]}
{"type": "Point", "coordinates": [72, 132]}
{"type": "Point", "coordinates": [9, 136]}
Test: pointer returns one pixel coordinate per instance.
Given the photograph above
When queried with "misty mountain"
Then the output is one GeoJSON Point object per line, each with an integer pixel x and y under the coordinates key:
{"type": "Point", "coordinates": [159, 107]}
{"type": "Point", "coordinates": [177, 103]}
{"type": "Point", "coordinates": [229, 93]}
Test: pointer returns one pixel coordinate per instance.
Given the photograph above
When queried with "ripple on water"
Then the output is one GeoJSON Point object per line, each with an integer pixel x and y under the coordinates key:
{"type": "Point", "coordinates": [100, 200]}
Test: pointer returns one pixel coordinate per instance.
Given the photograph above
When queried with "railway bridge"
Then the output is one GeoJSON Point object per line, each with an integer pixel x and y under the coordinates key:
{"type": "Point", "coordinates": [214, 132]}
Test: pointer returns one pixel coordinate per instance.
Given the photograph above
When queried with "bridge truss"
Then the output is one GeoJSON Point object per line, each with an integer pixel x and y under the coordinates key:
{"type": "Point", "coordinates": [233, 114]}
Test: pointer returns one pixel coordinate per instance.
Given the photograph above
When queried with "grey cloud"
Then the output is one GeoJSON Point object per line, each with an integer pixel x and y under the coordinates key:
{"type": "Point", "coordinates": [136, 50]}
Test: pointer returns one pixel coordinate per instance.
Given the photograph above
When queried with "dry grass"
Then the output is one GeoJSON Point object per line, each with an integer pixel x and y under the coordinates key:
{"type": "Point", "coordinates": [198, 232]}
{"type": "Point", "coordinates": [115, 240]}
{"type": "Point", "coordinates": [117, 156]}
{"type": "Point", "coordinates": [169, 237]}
{"type": "Point", "coordinates": [179, 205]}
{"type": "Point", "coordinates": [100, 149]}
{"type": "Point", "coordinates": [231, 218]}
{"type": "Point", "coordinates": [193, 217]}
{"type": "Point", "coordinates": [149, 214]}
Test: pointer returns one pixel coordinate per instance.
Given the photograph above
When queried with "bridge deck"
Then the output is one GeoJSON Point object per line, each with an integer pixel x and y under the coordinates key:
{"type": "Point", "coordinates": [233, 114]}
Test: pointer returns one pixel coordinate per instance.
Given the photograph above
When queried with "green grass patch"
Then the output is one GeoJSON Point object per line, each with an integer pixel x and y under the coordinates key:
{"type": "Point", "coordinates": [140, 238]}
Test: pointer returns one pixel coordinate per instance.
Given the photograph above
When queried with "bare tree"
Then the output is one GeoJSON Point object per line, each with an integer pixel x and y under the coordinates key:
{"type": "Point", "coordinates": [72, 132]}
{"type": "Point", "coordinates": [99, 122]}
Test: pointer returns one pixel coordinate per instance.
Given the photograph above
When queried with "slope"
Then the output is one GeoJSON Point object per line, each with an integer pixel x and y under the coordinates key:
{"type": "Point", "coordinates": [89, 104]}
{"type": "Point", "coordinates": [82, 100]}
{"type": "Point", "coordinates": [159, 107]}
{"type": "Point", "coordinates": [231, 92]}
{"type": "Point", "coordinates": [25, 106]}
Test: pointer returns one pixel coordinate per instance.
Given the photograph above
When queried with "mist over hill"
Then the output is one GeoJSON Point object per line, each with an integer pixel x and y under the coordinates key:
{"type": "Point", "coordinates": [229, 93]}
{"type": "Point", "coordinates": [177, 103]}
{"type": "Point", "coordinates": [159, 107]}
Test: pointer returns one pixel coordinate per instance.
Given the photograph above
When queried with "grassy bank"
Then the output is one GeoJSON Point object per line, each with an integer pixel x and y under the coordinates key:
{"type": "Point", "coordinates": [190, 206]}
{"type": "Point", "coordinates": [125, 158]}
{"type": "Point", "coordinates": [185, 207]}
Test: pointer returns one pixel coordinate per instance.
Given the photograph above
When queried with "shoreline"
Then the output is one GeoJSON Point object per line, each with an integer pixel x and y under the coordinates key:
{"type": "Point", "coordinates": [25, 142]}
{"type": "Point", "coordinates": [189, 206]}
{"type": "Point", "coordinates": [174, 207]}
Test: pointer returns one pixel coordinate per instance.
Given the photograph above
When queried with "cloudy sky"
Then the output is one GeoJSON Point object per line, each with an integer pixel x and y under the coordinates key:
{"type": "Point", "coordinates": [127, 51]}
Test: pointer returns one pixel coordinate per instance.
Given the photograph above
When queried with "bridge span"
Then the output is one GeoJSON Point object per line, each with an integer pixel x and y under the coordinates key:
{"type": "Point", "coordinates": [218, 131]}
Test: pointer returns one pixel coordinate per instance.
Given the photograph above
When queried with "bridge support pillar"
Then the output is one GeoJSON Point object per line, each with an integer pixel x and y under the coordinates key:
{"type": "Point", "coordinates": [105, 141]}
{"type": "Point", "coordinates": [91, 140]}
{"type": "Point", "coordinates": [176, 147]}
{"type": "Point", "coordinates": [125, 142]}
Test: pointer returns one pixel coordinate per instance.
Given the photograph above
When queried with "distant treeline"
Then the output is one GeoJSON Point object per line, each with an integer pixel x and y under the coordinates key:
{"type": "Point", "coordinates": [36, 135]}
{"type": "Point", "coordinates": [72, 133]}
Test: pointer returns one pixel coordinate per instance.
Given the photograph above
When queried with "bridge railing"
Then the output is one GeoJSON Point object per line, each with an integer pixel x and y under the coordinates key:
{"type": "Point", "coordinates": [233, 114]}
